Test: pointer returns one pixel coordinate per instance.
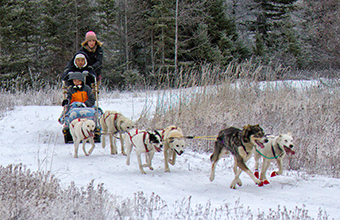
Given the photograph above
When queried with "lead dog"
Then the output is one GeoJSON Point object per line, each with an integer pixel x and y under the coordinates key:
{"type": "Point", "coordinates": [173, 142]}
{"type": "Point", "coordinates": [143, 142]}
{"type": "Point", "coordinates": [241, 144]}
{"type": "Point", "coordinates": [113, 123]}
{"type": "Point", "coordinates": [82, 130]}
{"type": "Point", "coordinates": [274, 150]}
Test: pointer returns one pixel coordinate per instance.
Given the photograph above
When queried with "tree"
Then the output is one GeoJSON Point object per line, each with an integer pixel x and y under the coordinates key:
{"type": "Point", "coordinates": [322, 32]}
{"type": "Point", "coordinates": [274, 30]}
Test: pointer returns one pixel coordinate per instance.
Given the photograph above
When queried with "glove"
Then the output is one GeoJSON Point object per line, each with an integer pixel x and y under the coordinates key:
{"type": "Point", "coordinates": [65, 102]}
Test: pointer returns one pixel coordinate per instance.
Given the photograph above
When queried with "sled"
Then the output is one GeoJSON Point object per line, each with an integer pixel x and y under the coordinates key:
{"type": "Point", "coordinates": [80, 110]}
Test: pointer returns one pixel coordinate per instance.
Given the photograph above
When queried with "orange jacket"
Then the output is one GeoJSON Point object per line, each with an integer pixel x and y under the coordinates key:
{"type": "Point", "coordinates": [79, 96]}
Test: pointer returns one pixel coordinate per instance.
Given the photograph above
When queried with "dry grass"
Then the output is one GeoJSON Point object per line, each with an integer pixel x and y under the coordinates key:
{"type": "Point", "coordinates": [38, 196]}
{"type": "Point", "coordinates": [310, 112]}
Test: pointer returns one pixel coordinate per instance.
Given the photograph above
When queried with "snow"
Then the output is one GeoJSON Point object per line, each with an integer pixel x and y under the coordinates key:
{"type": "Point", "coordinates": [32, 136]}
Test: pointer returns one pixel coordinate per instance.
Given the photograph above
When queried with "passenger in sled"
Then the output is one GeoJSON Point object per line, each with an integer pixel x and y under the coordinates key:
{"type": "Point", "coordinates": [79, 103]}
{"type": "Point", "coordinates": [79, 64]}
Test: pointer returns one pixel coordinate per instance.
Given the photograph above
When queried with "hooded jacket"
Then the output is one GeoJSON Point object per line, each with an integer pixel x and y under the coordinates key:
{"type": "Point", "coordinates": [71, 67]}
{"type": "Point", "coordinates": [95, 58]}
{"type": "Point", "coordinates": [83, 94]}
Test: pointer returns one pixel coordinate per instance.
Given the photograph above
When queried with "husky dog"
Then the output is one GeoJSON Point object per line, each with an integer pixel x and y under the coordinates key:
{"type": "Point", "coordinates": [173, 142]}
{"type": "Point", "coordinates": [275, 149]}
{"type": "Point", "coordinates": [241, 144]}
{"type": "Point", "coordinates": [82, 130]}
{"type": "Point", "coordinates": [112, 123]}
{"type": "Point", "coordinates": [144, 142]}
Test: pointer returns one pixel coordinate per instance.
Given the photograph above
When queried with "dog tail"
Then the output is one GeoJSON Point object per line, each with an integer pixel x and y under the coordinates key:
{"type": "Point", "coordinates": [217, 151]}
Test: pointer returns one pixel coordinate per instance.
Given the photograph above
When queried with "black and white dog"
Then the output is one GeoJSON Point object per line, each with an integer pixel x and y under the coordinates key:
{"type": "Point", "coordinates": [143, 142]}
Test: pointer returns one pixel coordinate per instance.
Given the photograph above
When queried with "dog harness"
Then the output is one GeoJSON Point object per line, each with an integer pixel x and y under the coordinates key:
{"type": "Point", "coordinates": [172, 128]}
{"type": "Point", "coordinates": [144, 137]}
{"type": "Point", "coordinates": [273, 151]}
{"type": "Point", "coordinates": [82, 131]}
{"type": "Point", "coordinates": [114, 120]}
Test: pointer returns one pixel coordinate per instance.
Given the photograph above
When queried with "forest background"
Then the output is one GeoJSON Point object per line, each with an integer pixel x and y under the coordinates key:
{"type": "Point", "coordinates": [148, 41]}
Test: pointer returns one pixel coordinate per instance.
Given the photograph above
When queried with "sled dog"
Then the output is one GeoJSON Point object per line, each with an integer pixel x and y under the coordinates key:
{"type": "Point", "coordinates": [82, 130]}
{"type": "Point", "coordinates": [143, 142]}
{"type": "Point", "coordinates": [241, 144]}
{"type": "Point", "coordinates": [173, 143]}
{"type": "Point", "coordinates": [113, 123]}
{"type": "Point", "coordinates": [275, 149]}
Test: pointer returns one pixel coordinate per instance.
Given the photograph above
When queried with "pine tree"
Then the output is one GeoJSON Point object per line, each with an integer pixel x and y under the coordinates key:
{"type": "Point", "coordinates": [20, 38]}
{"type": "Point", "coordinates": [274, 30]}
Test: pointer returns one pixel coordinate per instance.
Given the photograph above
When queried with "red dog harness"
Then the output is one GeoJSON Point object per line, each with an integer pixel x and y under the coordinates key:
{"type": "Point", "coordinates": [82, 131]}
{"type": "Point", "coordinates": [114, 120]}
{"type": "Point", "coordinates": [144, 137]}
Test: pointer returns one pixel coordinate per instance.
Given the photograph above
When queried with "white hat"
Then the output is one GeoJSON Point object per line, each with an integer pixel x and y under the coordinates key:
{"type": "Point", "coordinates": [80, 56]}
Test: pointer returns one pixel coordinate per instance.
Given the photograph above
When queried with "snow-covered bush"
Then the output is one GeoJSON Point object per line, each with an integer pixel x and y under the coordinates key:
{"type": "Point", "coordinates": [39, 196]}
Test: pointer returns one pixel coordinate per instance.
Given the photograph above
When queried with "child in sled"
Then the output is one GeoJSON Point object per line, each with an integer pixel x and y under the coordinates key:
{"type": "Point", "coordinates": [78, 92]}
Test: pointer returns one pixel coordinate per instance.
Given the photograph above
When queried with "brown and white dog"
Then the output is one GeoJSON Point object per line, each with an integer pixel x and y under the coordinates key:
{"type": "Point", "coordinates": [143, 142]}
{"type": "Point", "coordinates": [275, 149]}
{"type": "Point", "coordinates": [241, 144]}
{"type": "Point", "coordinates": [82, 130]}
{"type": "Point", "coordinates": [113, 123]}
{"type": "Point", "coordinates": [173, 142]}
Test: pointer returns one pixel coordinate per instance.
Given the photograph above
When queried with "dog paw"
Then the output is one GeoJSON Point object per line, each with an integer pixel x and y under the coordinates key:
{"type": "Point", "coordinates": [151, 168]}
{"type": "Point", "coordinates": [232, 186]}
{"type": "Point", "coordinates": [167, 170]}
{"type": "Point", "coordinates": [211, 178]}
{"type": "Point", "coordinates": [256, 174]}
{"type": "Point", "coordinates": [274, 173]}
{"type": "Point", "coordinates": [260, 184]}
{"type": "Point", "coordinates": [257, 181]}
{"type": "Point", "coordinates": [124, 153]}
{"type": "Point", "coordinates": [143, 172]}
{"type": "Point", "coordinates": [265, 182]}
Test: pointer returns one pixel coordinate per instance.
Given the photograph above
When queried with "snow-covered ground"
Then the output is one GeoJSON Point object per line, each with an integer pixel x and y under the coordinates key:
{"type": "Point", "coordinates": [32, 136]}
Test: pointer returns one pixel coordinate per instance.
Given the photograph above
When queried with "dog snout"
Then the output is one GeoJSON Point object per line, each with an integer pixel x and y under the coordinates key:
{"type": "Point", "coordinates": [265, 140]}
{"type": "Point", "coordinates": [291, 146]}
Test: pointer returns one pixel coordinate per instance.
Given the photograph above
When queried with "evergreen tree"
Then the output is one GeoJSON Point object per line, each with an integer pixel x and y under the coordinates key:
{"type": "Point", "coordinates": [58, 35]}
{"type": "Point", "coordinates": [20, 37]}
{"type": "Point", "coordinates": [223, 33]}
{"type": "Point", "coordinates": [274, 31]}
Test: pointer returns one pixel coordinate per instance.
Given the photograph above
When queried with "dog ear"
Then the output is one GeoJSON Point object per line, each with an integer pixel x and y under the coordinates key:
{"type": "Point", "coordinates": [157, 133]}
{"type": "Point", "coordinates": [246, 127]}
{"type": "Point", "coordinates": [245, 133]}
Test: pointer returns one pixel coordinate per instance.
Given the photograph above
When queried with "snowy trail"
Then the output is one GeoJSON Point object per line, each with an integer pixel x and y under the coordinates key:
{"type": "Point", "coordinates": [32, 136]}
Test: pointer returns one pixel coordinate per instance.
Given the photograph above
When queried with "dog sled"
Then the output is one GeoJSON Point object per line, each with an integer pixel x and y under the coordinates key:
{"type": "Point", "coordinates": [78, 110]}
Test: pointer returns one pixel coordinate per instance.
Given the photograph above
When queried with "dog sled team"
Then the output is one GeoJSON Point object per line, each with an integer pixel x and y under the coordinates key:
{"type": "Point", "coordinates": [84, 121]}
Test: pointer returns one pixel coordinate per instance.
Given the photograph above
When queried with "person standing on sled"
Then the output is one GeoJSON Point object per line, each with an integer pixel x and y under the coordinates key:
{"type": "Point", "coordinates": [79, 63]}
{"type": "Point", "coordinates": [92, 47]}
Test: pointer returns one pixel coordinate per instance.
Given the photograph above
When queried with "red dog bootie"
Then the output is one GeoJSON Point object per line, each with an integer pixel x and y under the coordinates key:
{"type": "Point", "coordinates": [256, 174]}
{"type": "Point", "coordinates": [264, 182]}
{"type": "Point", "coordinates": [274, 173]}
